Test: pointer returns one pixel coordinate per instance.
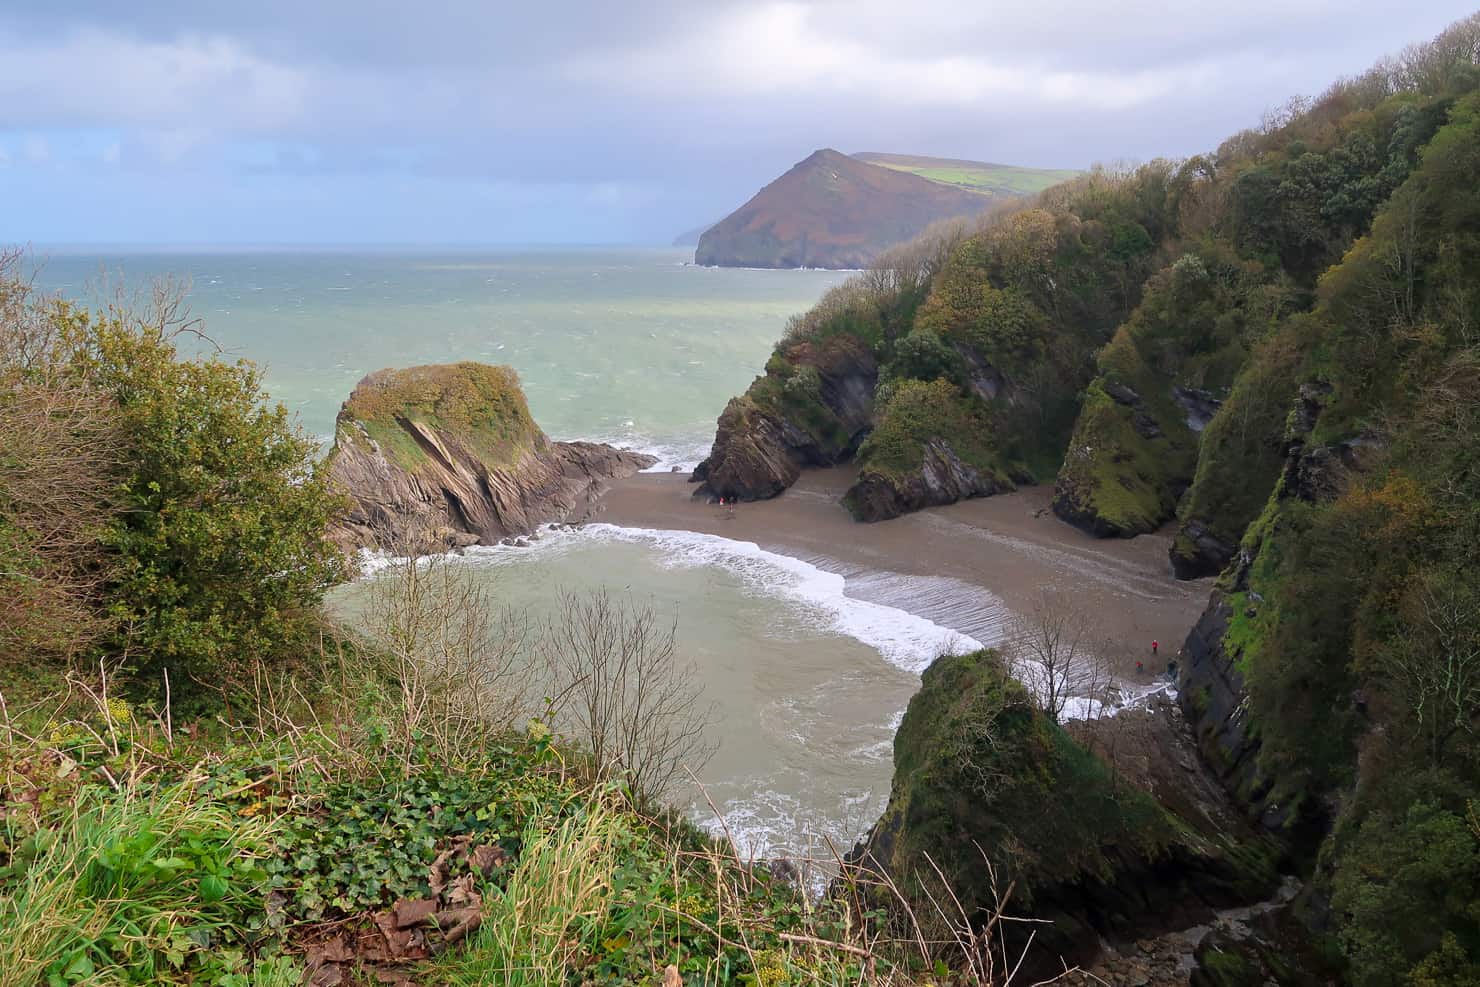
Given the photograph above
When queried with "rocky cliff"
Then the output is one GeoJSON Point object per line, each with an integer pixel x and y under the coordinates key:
{"type": "Point", "coordinates": [980, 772]}
{"type": "Point", "coordinates": [1351, 603]}
{"type": "Point", "coordinates": [438, 457]}
{"type": "Point", "coordinates": [953, 371]}
{"type": "Point", "coordinates": [831, 210]}
{"type": "Point", "coordinates": [812, 407]}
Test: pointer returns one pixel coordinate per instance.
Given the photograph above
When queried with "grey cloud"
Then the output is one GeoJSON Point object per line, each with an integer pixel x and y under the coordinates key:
{"type": "Point", "coordinates": [685, 107]}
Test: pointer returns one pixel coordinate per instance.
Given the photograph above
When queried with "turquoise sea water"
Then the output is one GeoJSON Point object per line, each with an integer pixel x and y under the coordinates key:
{"type": "Point", "coordinates": [623, 345]}
{"type": "Point", "coordinates": [806, 679]}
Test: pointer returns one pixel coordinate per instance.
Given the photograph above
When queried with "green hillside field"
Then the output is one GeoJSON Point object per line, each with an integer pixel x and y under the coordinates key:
{"type": "Point", "coordinates": [981, 176]}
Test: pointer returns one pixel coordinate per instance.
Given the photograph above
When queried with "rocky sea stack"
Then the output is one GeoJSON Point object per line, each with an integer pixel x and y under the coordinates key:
{"type": "Point", "coordinates": [444, 456]}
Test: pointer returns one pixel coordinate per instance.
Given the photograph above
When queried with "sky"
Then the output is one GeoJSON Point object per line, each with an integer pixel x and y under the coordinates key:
{"type": "Point", "coordinates": [206, 122]}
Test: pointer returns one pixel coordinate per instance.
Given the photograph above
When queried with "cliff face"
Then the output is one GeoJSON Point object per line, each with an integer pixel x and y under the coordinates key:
{"type": "Point", "coordinates": [1120, 336]}
{"type": "Point", "coordinates": [811, 408]}
{"type": "Point", "coordinates": [956, 373]}
{"type": "Point", "coordinates": [831, 210]}
{"type": "Point", "coordinates": [438, 457]}
{"type": "Point", "coordinates": [1351, 602]}
{"type": "Point", "coordinates": [1160, 381]}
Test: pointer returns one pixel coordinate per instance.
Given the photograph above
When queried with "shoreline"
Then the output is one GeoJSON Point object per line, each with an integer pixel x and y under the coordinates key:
{"type": "Point", "coordinates": [1008, 548]}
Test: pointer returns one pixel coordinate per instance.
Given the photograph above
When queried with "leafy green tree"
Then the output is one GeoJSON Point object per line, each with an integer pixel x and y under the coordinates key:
{"type": "Point", "coordinates": [220, 542]}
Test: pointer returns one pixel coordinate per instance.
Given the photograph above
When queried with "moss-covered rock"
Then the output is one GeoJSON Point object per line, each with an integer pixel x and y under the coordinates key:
{"type": "Point", "coordinates": [1161, 380]}
{"type": "Point", "coordinates": [437, 457]}
{"type": "Point", "coordinates": [479, 405]}
{"type": "Point", "coordinates": [932, 445]}
{"type": "Point", "coordinates": [812, 407]}
{"type": "Point", "coordinates": [980, 772]}
{"type": "Point", "coordinates": [1240, 457]}
{"type": "Point", "coordinates": [1124, 469]}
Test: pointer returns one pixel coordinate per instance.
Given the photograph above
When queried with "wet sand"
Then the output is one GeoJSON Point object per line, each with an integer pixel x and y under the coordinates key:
{"type": "Point", "coordinates": [1010, 545]}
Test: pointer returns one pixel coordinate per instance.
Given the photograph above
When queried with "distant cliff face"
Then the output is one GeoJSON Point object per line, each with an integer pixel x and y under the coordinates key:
{"type": "Point", "coordinates": [834, 211]}
{"type": "Point", "coordinates": [437, 457]}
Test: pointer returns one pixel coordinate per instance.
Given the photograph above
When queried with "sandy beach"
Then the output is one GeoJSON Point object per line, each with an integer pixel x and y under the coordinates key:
{"type": "Point", "coordinates": [1010, 545]}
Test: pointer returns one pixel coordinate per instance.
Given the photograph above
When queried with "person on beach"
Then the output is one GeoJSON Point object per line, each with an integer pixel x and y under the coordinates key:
{"type": "Point", "coordinates": [1153, 647]}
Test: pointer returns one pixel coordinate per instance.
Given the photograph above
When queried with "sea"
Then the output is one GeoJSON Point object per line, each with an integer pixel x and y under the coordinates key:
{"type": "Point", "coordinates": [806, 673]}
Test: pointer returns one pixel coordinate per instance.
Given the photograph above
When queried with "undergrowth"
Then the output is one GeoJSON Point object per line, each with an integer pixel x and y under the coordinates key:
{"type": "Point", "coordinates": [258, 851]}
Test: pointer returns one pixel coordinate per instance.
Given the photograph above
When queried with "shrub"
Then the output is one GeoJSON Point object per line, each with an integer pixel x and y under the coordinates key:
{"type": "Point", "coordinates": [156, 500]}
{"type": "Point", "coordinates": [922, 355]}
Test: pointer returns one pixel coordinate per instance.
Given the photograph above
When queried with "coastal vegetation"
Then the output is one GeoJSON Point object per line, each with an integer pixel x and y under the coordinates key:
{"type": "Point", "coordinates": [1274, 346]}
{"type": "Point", "coordinates": [205, 779]}
{"type": "Point", "coordinates": [213, 782]}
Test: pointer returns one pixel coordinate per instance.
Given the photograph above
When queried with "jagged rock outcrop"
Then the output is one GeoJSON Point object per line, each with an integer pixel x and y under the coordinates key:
{"type": "Point", "coordinates": [1211, 690]}
{"type": "Point", "coordinates": [1245, 449]}
{"type": "Point", "coordinates": [942, 478]}
{"type": "Point", "coordinates": [751, 458]}
{"type": "Point", "coordinates": [440, 457]}
{"type": "Point", "coordinates": [813, 407]}
{"type": "Point", "coordinates": [980, 771]}
{"type": "Point", "coordinates": [1198, 551]}
{"type": "Point", "coordinates": [1122, 472]}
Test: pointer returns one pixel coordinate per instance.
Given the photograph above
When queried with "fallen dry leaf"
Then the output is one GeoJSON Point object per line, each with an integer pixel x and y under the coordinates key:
{"type": "Point", "coordinates": [414, 911]}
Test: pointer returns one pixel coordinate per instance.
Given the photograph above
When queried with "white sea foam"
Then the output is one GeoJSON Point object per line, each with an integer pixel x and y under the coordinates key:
{"type": "Point", "coordinates": [679, 455]}
{"type": "Point", "coordinates": [904, 639]}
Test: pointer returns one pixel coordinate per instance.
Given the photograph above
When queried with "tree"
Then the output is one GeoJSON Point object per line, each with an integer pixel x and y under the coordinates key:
{"type": "Point", "coordinates": [1435, 663]}
{"type": "Point", "coordinates": [618, 683]}
{"type": "Point", "coordinates": [460, 662]}
{"type": "Point", "coordinates": [1055, 654]}
{"type": "Point", "coordinates": [59, 467]}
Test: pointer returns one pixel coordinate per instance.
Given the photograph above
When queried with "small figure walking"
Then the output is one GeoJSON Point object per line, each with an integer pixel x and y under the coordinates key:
{"type": "Point", "coordinates": [1153, 647]}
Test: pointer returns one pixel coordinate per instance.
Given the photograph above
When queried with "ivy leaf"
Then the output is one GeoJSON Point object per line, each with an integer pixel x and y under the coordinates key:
{"type": "Point", "coordinates": [212, 888]}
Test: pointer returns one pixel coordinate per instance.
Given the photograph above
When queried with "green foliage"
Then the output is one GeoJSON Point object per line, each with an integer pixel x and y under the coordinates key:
{"type": "Point", "coordinates": [482, 405]}
{"type": "Point", "coordinates": [360, 845]}
{"type": "Point", "coordinates": [1129, 462]}
{"type": "Point", "coordinates": [918, 412]}
{"type": "Point", "coordinates": [1242, 448]}
{"type": "Point", "coordinates": [1356, 658]}
{"type": "Point", "coordinates": [550, 914]}
{"type": "Point", "coordinates": [1409, 893]}
{"type": "Point", "coordinates": [220, 544]}
{"type": "Point", "coordinates": [1000, 324]}
{"type": "Point", "coordinates": [220, 880]}
{"type": "Point", "coordinates": [1119, 480]}
{"type": "Point", "coordinates": [976, 762]}
{"type": "Point", "coordinates": [139, 888]}
{"type": "Point", "coordinates": [1299, 205]}
{"type": "Point", "coordinates": [922, 355]}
